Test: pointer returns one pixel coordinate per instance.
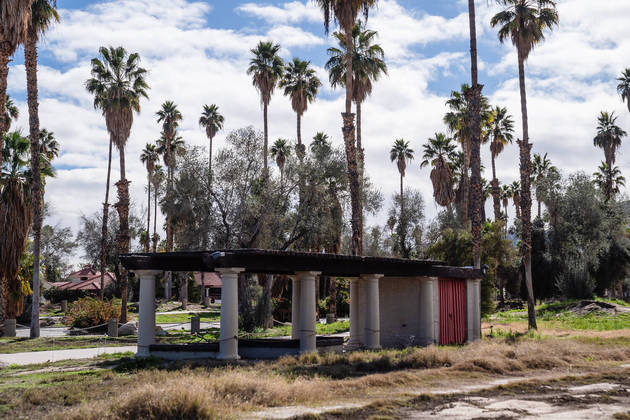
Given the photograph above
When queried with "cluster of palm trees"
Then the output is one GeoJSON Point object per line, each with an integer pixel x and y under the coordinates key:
{"type": "Point", "coordinates": [608, 138]}
{"type": "Point", "coordinates": [22, 22]}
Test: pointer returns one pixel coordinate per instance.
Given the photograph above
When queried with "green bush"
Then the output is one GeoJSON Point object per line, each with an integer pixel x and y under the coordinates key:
{"type": "Point", "coordinates": [56, 295]}
{"type": "Point", "coordinates": [89, 312]}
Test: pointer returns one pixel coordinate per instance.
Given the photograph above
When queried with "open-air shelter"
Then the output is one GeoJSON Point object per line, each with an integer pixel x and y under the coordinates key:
{"type": "Point", "coordinates": [393, 302]}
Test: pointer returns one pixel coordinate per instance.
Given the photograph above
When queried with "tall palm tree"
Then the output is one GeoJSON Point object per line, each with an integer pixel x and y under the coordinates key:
{"type": "Point", "coordinates": [345, 12]}
{"type": "Point", "coordinates": [170, 117]}
{"type": "Point", "coordinates": [14, 20]}
{"type": "Point", "coordinates": [43, 14]}
{"type": "Point", "coordinates": [157, 179]}
{"type": "Point", "coordinates": [118, 83]}
{"type": "Point", "coordinates": [475, 139]}
{"type": "Point", "coordinates": [279, 151]}
{"type": "Point", "coordinates": [212, 121]}
{"type": "Point", "coordinates": [541, 167]}
{"type": "Point", "coordinates": [438, 151]}
{"type": "Point", "coordinates": [320, 146]}
{"type": "Point", "coordinates": [524, 23]}
{"type": "Point", "coordinates": [301, 84]}
{"type": "Point", "coordinates": [609, 180]}
{"type": "Point", "coordinates": [368, 65]}
{"type": "Point", "coordinates": [623, 88]}
{"type": "Point", "coordinates": [609, 136]}
{"type": "Point", "coordinates": [49, 146]}
{"type": "Point", "coordinates": [149, 157]}
{"type": "Point", "coordinates": [401, 153]}
{"type": "Point", "coordinates": [500, 133]}
{"type": "Point", "coordinates": [11, 112]}
{"type": "Point", "coordinates": [515, 195]}
{"type": "Point", "coordinates": [506, 195]}
{"type": "Point", "coordinates": [266, 69]}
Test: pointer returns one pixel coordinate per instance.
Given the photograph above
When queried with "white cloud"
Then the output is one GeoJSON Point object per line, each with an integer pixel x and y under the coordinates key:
{"type": "Point", "coordinates": [290, 12]}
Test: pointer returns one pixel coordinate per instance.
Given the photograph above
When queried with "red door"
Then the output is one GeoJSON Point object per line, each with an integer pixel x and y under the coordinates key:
{"type": "Point", "coordinates": [452, 304]}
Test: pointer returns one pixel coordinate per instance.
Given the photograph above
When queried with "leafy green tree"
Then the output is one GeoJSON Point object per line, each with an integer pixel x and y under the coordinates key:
{"type": "Point", "coordinates": [57, 246]}
{"type": "Point", "coordinates": [524, 22]}
{"type": "Point", "coordinates": [118, 83]}
{"type": "Point", "coordinates": [212, 120]}
{"type": "Point", "coordinates": [406, 227]}
{"type": "Point", "coordinates": [300, 83]}
{"type": "Point", "coordinates": [266, 68]}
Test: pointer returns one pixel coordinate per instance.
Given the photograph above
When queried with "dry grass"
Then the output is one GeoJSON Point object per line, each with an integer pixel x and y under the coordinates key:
{"type": "Point", "coordinates": [229, 391]}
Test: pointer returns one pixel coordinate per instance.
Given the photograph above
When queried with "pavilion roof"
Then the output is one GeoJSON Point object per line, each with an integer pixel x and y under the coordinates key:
{"type": "Point", "coordinates": [289, 262]}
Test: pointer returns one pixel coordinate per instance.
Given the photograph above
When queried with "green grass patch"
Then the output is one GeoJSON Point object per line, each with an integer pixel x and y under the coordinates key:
{"type": "Point", "coordinates": [23, 344]}
{"type": "Point", "coordinates": [211, 316]}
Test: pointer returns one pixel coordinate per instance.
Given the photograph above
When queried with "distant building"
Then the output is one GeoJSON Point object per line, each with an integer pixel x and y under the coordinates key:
{"type": "Point", "coordinates": [87, 279]}
{"type": "Point", "coordinates": [212, 283]}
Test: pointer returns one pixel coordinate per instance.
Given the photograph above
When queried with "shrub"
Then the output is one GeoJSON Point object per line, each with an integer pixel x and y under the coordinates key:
{"type": "Point", "coordinates": [89, 312]}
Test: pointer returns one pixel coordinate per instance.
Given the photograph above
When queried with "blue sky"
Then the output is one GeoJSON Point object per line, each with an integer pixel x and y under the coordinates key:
{"type": "Point", "coordinates": [197, 53]}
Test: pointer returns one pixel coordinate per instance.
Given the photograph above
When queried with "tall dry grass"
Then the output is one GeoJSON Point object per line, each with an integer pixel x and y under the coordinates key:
{"type": "Point", "coordinates": [318, 379]}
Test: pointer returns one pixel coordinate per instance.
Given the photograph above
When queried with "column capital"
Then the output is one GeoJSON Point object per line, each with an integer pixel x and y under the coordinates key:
{"type": "Point", "coordinates": [302, 274]}
{"type": "Point", "coordinates": [147, 273]}
{"type": "Point", "coordinates": [371, 276]}
{"type": "Point", "coordinates": [229, 270]}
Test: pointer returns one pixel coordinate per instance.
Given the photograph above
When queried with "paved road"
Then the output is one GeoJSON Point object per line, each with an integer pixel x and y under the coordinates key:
{"type": "Point", "coordinates": [57, 355]}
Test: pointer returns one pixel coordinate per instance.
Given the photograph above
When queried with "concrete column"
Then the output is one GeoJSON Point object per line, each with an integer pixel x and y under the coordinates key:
{"type": "Point", "coordinates": [195, 325]}
{"type": "Point", "coordinates": [308, 332]}
{"type": "Point", "coordinates": [355, 330]}
{"type": "Point", "coordinates": [112, 327]}
{"type": "Point", "coordinates": [228, 337]}
{"type": "Point", "coordinates": [372, 314]}
{"type": "Point", "coordinates": [473, 309]}
{"type": "Point", "coordinates": [10, 327]}
{"type": "Point", "coordinates": [295, 308]}
{"type": "Point", "coordinates": [146, 317]}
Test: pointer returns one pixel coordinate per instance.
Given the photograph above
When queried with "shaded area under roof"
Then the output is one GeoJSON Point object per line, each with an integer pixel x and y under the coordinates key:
{"type": "Point", "coordinates": [289, 262]}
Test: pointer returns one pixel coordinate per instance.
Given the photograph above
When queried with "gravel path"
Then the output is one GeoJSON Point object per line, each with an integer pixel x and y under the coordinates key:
{"type": "Point", "coordinates": [57, 355]}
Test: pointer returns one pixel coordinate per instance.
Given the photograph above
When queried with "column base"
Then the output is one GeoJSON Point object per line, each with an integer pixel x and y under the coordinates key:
{"type": "Point", "coordinates": [228, 357]}
{"type": "Point", "coordinates": [143, 351]}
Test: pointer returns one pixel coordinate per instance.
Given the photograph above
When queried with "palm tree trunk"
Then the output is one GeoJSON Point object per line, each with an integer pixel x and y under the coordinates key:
{"type": "Point", "coordinates": [299, 129]}
{"type": "Point", "coordinates": [538, 202]}
{"type": "Point", "coordinates": [475, 155]}
{"type": "Point", "coordinates": [30, 61]}
{"type": "Point", "coordinates": [105, 221]}
{"type": "Point", "coordinates": [526, 194]}
{"type": "Point", "coordinates": [496, 202]}
{"type": "Point", "coordinates": [266, 143]}
{"type": "Point", "coordinates": [123, 235]}
{"type": "Point", "coordinates": [148, 239]}
{"type": "Point", "coordinates": [351, 153]}
{"type": "Point", "coordinates": [155, 239]}
{"type": "Point", "coordinates": [403, 253]}
{"type": "Point", "coordinates": [4, 74]}
{"type": "Point", "coordinates": [360, 157]}
{"type": "Point", "coordinates": [210, 161]}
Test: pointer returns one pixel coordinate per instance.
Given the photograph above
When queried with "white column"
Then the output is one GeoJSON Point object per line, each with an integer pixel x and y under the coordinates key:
{"type": "Point", "coordinates": [146, 317]}
{"type": "Point", "coordinates": [372, 315]}
{"type": "Point", "coordinates": [295, 308]}
{"type": "Point", "coordinates": [308, 332]}
{"type": "Point", "coordinates": [355, 330]}
{"type": "Point", "coordinates": [473, 309]}
{"type": "Point", "coordinates": [228, 337]}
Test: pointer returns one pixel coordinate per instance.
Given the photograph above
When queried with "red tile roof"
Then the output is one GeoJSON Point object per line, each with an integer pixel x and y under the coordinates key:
{"type": "Point", "coordinates": [93, 282]}
{"type": "Point", "coordinates": [211, 279]}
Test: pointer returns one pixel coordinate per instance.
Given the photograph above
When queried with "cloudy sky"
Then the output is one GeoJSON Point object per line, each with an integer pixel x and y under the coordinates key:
{"type": "Point", "coordinates": [197, 53]}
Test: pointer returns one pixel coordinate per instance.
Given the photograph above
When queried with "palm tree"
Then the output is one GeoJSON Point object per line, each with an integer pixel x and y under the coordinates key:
{"type": "Point", "coordinates": [345, 12]}
{"type": "Point", "coordinates": [11, 112]}
{"type": "Point", "coordinates": [43, 13]}
{"type": "Point", "coordinates": [14, 20]}
{"type": "Point", "coordinates": [320, 146]}
{"type": "Point", "coordinates": [524, 23]}
{"type": "Point", "coordinates": [609, 136]}
{"type": "Point", "coordinates": [118, 83]}
{"type": "Point", "coordinates": [401, 153]}
{"type": "Point", "coordinates": [157, 179]}
{"type": "Point", "coordinates": [170, 117]}
{"type": "Point", "coordinates": [438, 152]}
{"type": "Point", "coordinates": [301, 84]}
{"type": "Point", "coordinates": [49, 146]}
{"type": "Point", "coordinates": [623, 88]}
{"type": "Point", "coordinates": [501, 127]}
{"type": "Point", "coordinates": [515, 195]}
{"type": "Point", "coordinates": [149, 157]}
{"type": "Point", "coordinates": [609, 180]}
{"type": "Point", "coordinates": [541, 168]}
{"type": "Point", "coordinates": [279, 151]}
{"type": "Point", "coordinates": [212, 121]}
{"type": "Point", "coordinates": [368, 64]}
{"type": "Point", "coordinates": [506, 194]}
{"type": "Point", "coordinates": [266, 69]}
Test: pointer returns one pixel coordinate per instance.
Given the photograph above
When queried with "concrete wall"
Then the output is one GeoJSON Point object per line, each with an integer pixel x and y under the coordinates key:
{"type": "Point", "coordinates": [408, 311]}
